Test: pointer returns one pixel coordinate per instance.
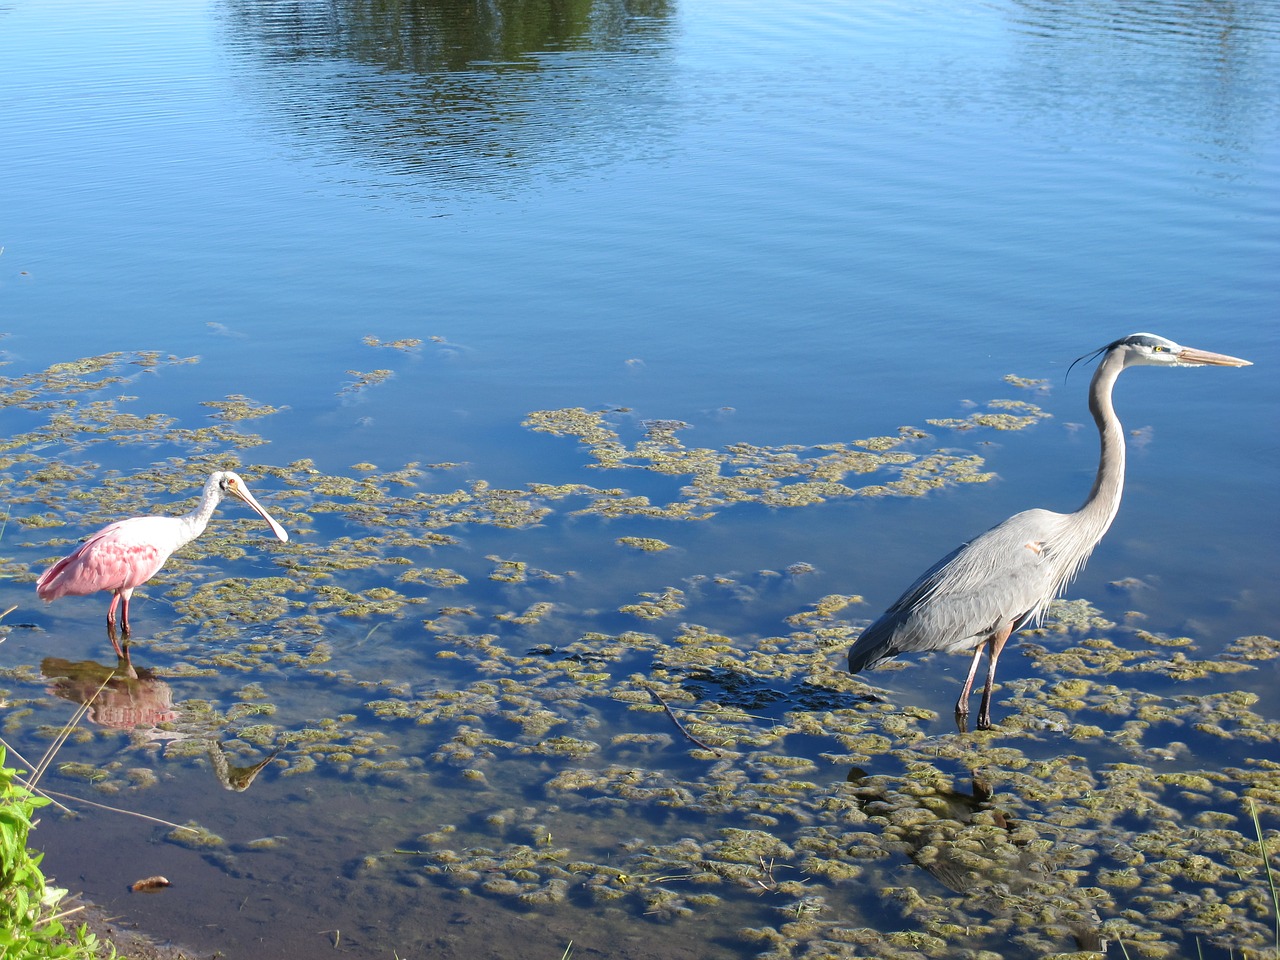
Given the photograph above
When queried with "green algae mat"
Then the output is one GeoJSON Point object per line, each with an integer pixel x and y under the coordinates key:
{"type": "Point", "coordinates": [576, 741]}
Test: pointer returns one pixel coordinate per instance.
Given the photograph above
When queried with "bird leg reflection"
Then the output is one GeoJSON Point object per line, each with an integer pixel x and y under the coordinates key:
{"type": "Point", "coordinates": [124, 666]}
{"type": "Point", "coordinates": [993, 645]}
{"type": "Point", "coordinates": [121, 652]}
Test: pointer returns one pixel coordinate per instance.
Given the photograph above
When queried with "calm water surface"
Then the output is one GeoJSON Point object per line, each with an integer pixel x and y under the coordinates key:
{"type": "Point", "coordinates": [400, 229]}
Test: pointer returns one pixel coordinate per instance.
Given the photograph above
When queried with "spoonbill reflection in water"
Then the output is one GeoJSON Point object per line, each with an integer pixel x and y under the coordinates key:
{"type": "Point", "coordinates": [126, 554]}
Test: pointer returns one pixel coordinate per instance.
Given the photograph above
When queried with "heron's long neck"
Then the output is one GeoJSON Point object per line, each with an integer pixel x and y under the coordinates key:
{"type": "Point", "coordinates": [1103, 502]}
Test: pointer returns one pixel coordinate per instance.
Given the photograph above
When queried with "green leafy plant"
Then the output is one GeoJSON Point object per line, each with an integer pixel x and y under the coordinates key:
{"type": "Point", "coordinates": [31, 924]}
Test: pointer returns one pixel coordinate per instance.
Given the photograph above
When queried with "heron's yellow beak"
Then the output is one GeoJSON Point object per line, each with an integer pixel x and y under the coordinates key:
{"type": "Point", "coordinates": [1196, 357]}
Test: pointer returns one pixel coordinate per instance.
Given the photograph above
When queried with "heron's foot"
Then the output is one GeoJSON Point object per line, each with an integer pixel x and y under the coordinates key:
{"type": "Point", "coordinates": [984, 710]}
{"type": "Point", "coordinates": [962, 719]}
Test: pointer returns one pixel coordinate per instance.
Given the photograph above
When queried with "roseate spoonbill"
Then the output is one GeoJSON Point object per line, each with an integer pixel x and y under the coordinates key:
{"type": "Point", "coordinates": [126, 554]}
{"type": "Point", "coordinates": [979, 594]}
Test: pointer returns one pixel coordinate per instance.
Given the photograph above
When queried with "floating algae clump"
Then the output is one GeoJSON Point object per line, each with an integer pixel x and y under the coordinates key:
{"type": "Point", "coordinates": [1026, 382]}
{"type": "Point", "coordinates": [195, 836]}
{"type": "Point", "coordinates": [407, 344]}
{"type": "Point", "coordinates": [646, 544]}
{"type": "Point", "coordinates": [655, 606]}
{"type": "Point", "coordinates": [783, 476]}
{"type": "Point", "coordinates": [509, 571]}
{"type": "Point", "coordinates": [1008, 415]}
{"type": "Point", "coordinates": [1253, 648]}
{"type": "Point", "coordinates": [434, 577]}
{"type": "Point", "coordinates": [239, 407]}
{"type": "Point", "coordinates": [364, 381]}
{"type": "Point", "coordinates": [82, 771]}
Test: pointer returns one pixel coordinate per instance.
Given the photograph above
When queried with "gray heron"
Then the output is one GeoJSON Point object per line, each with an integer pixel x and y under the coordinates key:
{"type": "Point", "coordinates": [974, 598]}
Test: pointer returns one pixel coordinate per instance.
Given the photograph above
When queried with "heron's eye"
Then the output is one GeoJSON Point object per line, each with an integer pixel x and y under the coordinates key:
{"type": "Point", "coordinates": [1160, 349]}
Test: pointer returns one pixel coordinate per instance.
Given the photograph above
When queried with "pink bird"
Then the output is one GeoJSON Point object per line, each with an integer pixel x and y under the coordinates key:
{"type": "Point", "coordinates": [128, 553]}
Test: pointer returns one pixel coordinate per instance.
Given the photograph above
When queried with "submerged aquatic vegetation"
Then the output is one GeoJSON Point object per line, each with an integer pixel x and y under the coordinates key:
{"type": "Point", "coordinates": [694, 768]}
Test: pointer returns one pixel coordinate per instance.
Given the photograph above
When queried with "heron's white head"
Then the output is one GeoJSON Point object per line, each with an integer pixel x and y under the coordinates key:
{"type": "Point", "coordinates": [1152, 350]}
{"type": "Point", "coordinates": [229, 484]}
{"type": "Point", "coordinates": [1149, 349]}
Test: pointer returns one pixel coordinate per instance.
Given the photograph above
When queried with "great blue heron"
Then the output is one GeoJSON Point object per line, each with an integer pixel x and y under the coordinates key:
{"type": "Point", "coordinates": [979, 594]}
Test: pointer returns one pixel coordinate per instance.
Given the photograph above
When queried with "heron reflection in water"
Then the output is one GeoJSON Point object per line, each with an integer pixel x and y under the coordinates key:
{"type": "Point", "coordinates": [974, 598]}
{"type": "Point", "coordinates": [1001, 867]}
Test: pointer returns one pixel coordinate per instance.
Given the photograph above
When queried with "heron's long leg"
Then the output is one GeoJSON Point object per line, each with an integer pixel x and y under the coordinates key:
{"type": "Point", "coordinates": [962, 705]}
{"type": "Point", "coordinates": [994, 645]}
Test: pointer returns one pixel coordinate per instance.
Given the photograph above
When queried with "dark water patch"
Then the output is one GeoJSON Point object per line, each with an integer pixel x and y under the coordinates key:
{"type": "Point", "coordinates": [477, 97]}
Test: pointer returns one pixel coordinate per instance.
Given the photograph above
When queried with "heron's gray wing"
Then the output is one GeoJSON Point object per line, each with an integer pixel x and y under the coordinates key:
{"type": "Point", "coordinates": [1005, 575]}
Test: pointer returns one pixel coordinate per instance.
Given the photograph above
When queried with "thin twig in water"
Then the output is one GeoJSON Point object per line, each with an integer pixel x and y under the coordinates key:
{"type": "Point", "coordinates": [729, 714]}
{"type": "Point", "coordinates": [681, 727]}
{"type": "Point", "coordinates": [40, 768]}
{"type": "Point", "coordinates": [65, 732]}
{"type": "Point", "coordinates": [367, 635]}
{"type": "Point", "coordinates": [127, 813]}
{"type": "Point", "coordinates": [28, 764]}
{"type": "Point", "coordinates": [1266, 865]}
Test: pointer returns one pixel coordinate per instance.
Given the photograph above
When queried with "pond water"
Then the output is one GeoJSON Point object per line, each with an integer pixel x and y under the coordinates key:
{"type": "Point", "coordinates": [611, 365]}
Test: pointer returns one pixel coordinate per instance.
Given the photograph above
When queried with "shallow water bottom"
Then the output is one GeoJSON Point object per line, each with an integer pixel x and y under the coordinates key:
{"type": "Point", "coordinates": [448, 716]}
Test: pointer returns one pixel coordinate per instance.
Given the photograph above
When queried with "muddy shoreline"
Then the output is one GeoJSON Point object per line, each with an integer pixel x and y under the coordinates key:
{"type": "Point", "coordinates": [127, 938]}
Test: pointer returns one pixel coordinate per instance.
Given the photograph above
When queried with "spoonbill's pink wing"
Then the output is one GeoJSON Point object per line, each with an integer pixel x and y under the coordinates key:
{"type": "Point", "coordinates": [120, 556]}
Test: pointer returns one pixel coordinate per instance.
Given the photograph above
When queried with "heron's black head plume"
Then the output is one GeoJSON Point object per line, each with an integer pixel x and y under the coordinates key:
{"type": "Point", "coordinates": [1090, 357]}
{"type": "Point", "coordinates": [1145, 339]}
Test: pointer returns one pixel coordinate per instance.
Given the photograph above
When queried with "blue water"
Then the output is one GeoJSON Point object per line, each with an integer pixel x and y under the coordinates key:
{"type": "Point", "coordinates": [793, 222]}
{"type": "Point", "coordinates": [830, 223]}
